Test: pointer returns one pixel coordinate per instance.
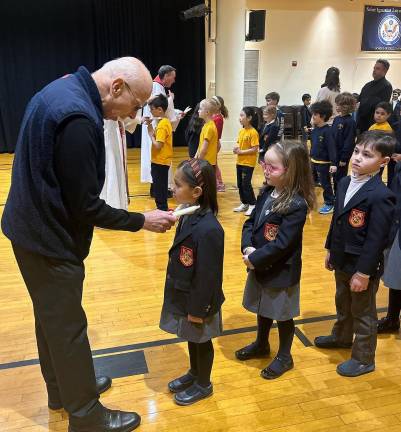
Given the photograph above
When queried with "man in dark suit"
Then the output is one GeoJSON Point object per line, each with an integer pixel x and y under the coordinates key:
{"type": "Point", "coordinates": [375, 91]}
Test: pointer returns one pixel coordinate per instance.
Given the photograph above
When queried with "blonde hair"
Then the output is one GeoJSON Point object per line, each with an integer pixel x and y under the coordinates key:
{"type": "Point", "coordinates": [297, 177]}
{"type": "Point", "coordinates": [212, 105]}
{"type": "Point", "coordinates": [271, 109]}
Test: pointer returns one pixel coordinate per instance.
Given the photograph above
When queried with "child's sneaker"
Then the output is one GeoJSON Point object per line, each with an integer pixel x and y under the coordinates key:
{"type": "Point", "coordinates": [241, 208]}
{"type": "Point", "coordinates": [326, 209]}
{"type": "Point", "coordinates": [249, 211]}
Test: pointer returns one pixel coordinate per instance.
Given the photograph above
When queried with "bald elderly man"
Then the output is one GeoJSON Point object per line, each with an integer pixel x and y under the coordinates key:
{"type": "Point", "coordinates": [51, 210]}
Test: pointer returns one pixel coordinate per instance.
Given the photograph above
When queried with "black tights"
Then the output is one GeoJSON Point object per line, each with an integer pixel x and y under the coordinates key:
{"type": "Point", "coordinates": [286, 330]}
{"type": "Point", "coordinates": [201, 357]}
{"type": "Point", "coordinates": [394, 304]}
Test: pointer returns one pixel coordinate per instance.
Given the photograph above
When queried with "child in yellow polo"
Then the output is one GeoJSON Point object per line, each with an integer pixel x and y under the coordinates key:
{"type": "Point", "coordinates": [247, 149]}
{"type": "Point", "coordinates": [208, 140]}
{"type": "Point", "coordinates": [162, 149]}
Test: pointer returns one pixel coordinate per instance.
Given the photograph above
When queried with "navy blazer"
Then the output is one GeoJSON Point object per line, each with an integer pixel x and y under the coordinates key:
{"type": "Point", "coordinates": [396, 188]}
{"type": "Point", "coordinates": [278, 242]}
{"type": "Point", "coordinates": [323, 147]}
{"type": "Point", "coordinates": [344, 134]}
{"type": "Point", "coordinates": [195, 268]}
{"type": "Point", "coordinates": [359, 232]}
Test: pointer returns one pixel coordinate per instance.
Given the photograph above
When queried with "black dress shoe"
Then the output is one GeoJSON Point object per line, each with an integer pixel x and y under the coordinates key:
{"type": "Point", "coordinates": [181, 383]}
{"type": "Point", "coordinates": [107, 421]}
{"type": "Point", "coordinates": [277, 368]}
{"type": "Point", "coordinates": [193, 394]}
{"type": "Point", "coordinates": [331, 342]}
{"type": "Point", "coordinates": [103, 383]}
{"type": "Point", "coordinates": [252, 351]}
{"type": "Point", "coordinates": [387, 325]}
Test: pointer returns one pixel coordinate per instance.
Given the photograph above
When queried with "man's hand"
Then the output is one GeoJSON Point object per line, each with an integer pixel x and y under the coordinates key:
{"type": "Point", "coordinates": [327, 264]}
{"type": "Point", "coordinates": [146, 120]}
{"type": "Point", "coordinates": [194, 319]}
{"type": "Point", "coordinates": [342, 164]}
{"type": "Point", "coordinates": [171, 95]}
{"type": "Point", "coordinates": [359, 283]}
{"type": "Point", "coordinates": [158, 221]}
{"type": "Point", "coordinates": [332, 169]}
{"type": "Point", "coordinates": [247, 262]}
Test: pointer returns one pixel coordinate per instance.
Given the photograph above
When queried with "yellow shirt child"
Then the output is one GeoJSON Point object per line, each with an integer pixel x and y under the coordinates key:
{"type": "Point", "coordinates": [247, 138]}
{"type": "Point", "coordinates": [164, 134]}
{"type": "Point", "coordinates": [382, 126]}
{"type": "Point", "coordinates": [209, 133]}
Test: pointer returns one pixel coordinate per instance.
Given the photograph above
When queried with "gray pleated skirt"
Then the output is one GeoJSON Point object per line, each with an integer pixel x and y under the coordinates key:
{"type": "Point", "coordinates": [280, 304]}
{"type": "Point", "coordinates": [210, 328]}
{"type": "Point", "coordinates": [392, 264]}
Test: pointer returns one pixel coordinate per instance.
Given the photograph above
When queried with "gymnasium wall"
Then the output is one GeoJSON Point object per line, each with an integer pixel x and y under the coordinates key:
{"type": "Point", "coordinates": [316, 33]}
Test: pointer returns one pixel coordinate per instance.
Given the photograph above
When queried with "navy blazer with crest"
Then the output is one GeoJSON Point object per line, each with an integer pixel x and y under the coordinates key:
{"type": "Point", "coordinates": [277, 239]}
{"type": "Point", "coordinates": [359, 232]}
{"type": "Point", "coordinates": [195, 268]}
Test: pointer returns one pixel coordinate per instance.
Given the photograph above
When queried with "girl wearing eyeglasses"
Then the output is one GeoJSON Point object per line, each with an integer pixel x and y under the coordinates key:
{"type": "Point", "coordinates": [272, 248]}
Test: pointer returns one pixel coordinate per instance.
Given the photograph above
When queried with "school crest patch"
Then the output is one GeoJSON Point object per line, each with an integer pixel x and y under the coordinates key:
{"type": "Point", "coordinates": [271, 232]}
{"type": "Point", "coordinates": [357, 218]}
{"type": "Point", "coordinates": [186, 256]}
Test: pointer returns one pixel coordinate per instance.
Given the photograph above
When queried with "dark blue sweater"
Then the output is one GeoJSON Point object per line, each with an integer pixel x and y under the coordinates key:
{"type": "Point", "coordinates": [322, 145]}
{"type": "Point", "coordinates": [58, 173]}
{"type": "Point", "coordinates": [344, 133]}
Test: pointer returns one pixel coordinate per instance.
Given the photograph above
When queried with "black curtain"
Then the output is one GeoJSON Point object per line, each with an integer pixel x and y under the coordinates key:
{"type": "Point", "coordinates": [43, 40]}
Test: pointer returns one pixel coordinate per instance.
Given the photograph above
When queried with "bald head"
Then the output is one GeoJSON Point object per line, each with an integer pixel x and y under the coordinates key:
{"type": "Point", "coordinates": [124, 85]}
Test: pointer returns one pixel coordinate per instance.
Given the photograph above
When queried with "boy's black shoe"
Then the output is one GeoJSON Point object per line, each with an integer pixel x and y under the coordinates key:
{"type": "Point", "coordinates": [103, 383]}
{"type": "Point", "coordinates": [387, 325]}
{"type": "Point", "coordinates": [105, 420]}
{"type": "Point", "coordinates": [193, 394]}
{"type": "Point", "coordinates": [277, 367]}
{"type": "Point", "coordinates": [330, 342]}
{"type": "Point", "coordinates": [252, 351]}
{"type": "Point", "coordinates": [181, 383]}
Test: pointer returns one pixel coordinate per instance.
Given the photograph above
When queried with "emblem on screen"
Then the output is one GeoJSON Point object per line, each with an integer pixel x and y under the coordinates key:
{"type": "Point", "coordinates": [389, 30]}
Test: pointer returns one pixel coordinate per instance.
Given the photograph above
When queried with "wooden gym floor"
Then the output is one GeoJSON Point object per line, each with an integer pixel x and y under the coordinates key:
{"type": "Point", "coordinates": [123, 296]}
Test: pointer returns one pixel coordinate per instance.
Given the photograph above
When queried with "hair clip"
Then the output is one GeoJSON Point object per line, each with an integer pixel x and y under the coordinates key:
{"type": "Point", "coordinates": [194, 164]}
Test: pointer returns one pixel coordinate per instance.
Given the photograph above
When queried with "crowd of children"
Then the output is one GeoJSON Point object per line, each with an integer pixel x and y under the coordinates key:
{"type": "Point", "coordinates": [363, 243]}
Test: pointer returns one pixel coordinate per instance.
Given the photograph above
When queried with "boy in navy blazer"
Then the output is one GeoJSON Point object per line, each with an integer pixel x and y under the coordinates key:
{"type": "Point", "coordinates": [358, 235]}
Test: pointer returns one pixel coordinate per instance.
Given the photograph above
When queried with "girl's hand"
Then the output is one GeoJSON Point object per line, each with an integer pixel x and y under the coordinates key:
{"type": "Point", "coordinates": [342, 164]}
{"type": "Point", "coordinates": [247, 262]}
{"type": "Point", "coordinates": [359, 283]}
{"type": "Point", "coordinates": [194, 319]}
{"type": "Point", "coordinates": [236, 150]}
{"type": "Point", "coordinates": [151, 131]}
{"type": "Point", "coordinates": [332, 169]}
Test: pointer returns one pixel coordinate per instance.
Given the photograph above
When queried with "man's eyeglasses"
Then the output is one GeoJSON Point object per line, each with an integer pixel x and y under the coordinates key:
{"type": "Point", "coordinates": [137, 107]}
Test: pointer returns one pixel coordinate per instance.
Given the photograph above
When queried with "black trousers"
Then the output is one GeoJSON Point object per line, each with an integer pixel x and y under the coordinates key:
{"type": "Point", "coordinates": [356, 314]}
{"type": "Point", "coordinates": [323, 172]}
{"type": "Point", "coordinates": [55, 287]}
{"type": "Point", "coordinates": [244, 183]}
{"type": "Point", "coordinates": [160, 185]}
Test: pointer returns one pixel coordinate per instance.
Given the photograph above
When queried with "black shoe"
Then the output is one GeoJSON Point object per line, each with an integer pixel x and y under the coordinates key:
{"type": "Point", "coordinates": [387, 325]}
{"type": "Point", "coordinates": [252, 351]}
{"type": "Point", "coordinates": [181, 383]}
{"type": "Point", "coordinates": [330, 342]}
{"type": "Point", "coordinates": [103, 383]}
{"type": "Point", "coordinates": [106, 421]}
{"type": "Point", "coordinates": [193, 394]}
{"type": "Point", "coordinates": [277, 368]}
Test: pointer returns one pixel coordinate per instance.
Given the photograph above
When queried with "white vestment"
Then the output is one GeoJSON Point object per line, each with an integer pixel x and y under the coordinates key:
{"type": "Point", "coordinates": [146, 143]}
{"type": "Point", "coordinates": [115, 188]}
